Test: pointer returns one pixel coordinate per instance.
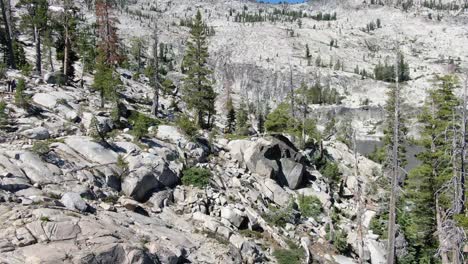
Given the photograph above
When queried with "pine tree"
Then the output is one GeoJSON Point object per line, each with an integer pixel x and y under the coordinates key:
{"type": "Point", "coordinates": [21, 99]}
{"type": "Point", "coordinates": [138, 46]}
{"type": "Point", "coordinates": [425, 201]}
{"type": "Point", "coordinates": [307, 53]}
{"type": "Point", "coordinates": [198, 91]}
{"type": "Point", "coordinates": [36, 18]}
{"type": "Point", "coordinates": [261, 124]}
{"type": "Point", "coordinates": [105, 80]}
{"type": "Point", "coordinates": [231, 116]}
{"type": "Point", "coordinates": [67, 27]}
{"type": "Point", "coordinates": [242, 120]}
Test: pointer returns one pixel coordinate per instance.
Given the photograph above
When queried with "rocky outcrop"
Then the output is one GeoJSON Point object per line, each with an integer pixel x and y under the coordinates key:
{"type": "Point", "coordinates": [148, 173]}
{"type": "Point", "coordinates": [274, 157]}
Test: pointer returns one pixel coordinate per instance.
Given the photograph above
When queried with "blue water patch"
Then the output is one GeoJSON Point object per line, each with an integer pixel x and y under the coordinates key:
{"type": "Point", "coordinates": [282, 1]}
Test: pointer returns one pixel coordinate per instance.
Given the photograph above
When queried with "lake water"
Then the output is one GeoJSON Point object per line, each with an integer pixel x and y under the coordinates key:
{"type": "Point", "coordinates": [365, 147]}
{"type": "Point", "coordinates": [282, 1]}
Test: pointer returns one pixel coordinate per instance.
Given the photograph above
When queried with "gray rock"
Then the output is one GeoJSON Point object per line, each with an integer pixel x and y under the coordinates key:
{"type": "Point", "coordinates": [233, 215]}
{"type": "Point", "coordinates": [251, 252]}
{"type": "Point", "coordinates": [38, 133]}
{"type": "Point", "coordinates": [275, 193]}
{"type": "Point", "coordinates": [37, 170]}
{"type": "Point", "coordinates": [12, 177]}
{"type": "Point", "coordinates": [164, 254]}
{"type": "Point", "coordinates": [377, 251]}
{"type": "Point", "coordinates": [293, 173]}
{"type": "Point", "coordinates": [148, 174]}
{"type": "Point", "coordinates": [23, 237]}
{"type": "Point", "coordinates": [52, 77]}
{"type": "Point", "coordinates": [91, 150]}
{"type": "Point", "coordinates": [268, 156]}
{"type": "Point", "coordinates": [112, 253]}
{"type": "Point", "coordinates": [161, 199]}
{"type": "Point", "coordinates": [238, 147]}
{"type": "Point", "coordinates": [74, 201]}
{"type": "Point", "coordinates": [171, 134]}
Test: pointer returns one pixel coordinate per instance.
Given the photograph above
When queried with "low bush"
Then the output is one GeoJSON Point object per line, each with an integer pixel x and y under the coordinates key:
{"type": "Point", "coordinates": [310, 206]}
{"type": "Point", "coordinates": [141, 123]}
{"type": "Point", "coordinates": [21, 99]}
{"type": "Point", "coordinates": [293, 255]}
{"type": "Point", "coordinates": [197, 177]}
{"type": "Point", "coordinates": [280, 216]}
{"type": "Point", "coordinates": [187, 126]}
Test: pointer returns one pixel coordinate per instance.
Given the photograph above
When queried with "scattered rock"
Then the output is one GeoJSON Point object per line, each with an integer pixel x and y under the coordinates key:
{"type": "Point", "coordinates": [74, 201]}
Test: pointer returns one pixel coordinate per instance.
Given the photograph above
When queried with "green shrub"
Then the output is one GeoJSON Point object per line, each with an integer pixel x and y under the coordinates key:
{"type": "Point", "coordinates": [3, 114]}
{"type": "Point", "coordinates": [111, 199]}
{"type": "Point", "coordinates": [45, 219]}
{"type": "Point", "coordinates": [3, 69]}
{"type": "Point", "coordinates": [378, 225]}
{"type": "Point", "coordinates": [141, 123]}
{"type": "Point", "coordinates": [122, 164]}
{"type": "Point", "coordinates": [281, 121]}
{"type": "Point", "coordinates": [188, 126]}
{"type": "Point", "coordinates": [293, 255]}
{"type": "Point", "coordinates": [198, 177]}
{"type": "Point", "coordinates": [339, 240]}
{"type": "Point", "coordinates": [96, 132]}
{"type": "Point", "coordinates": [378, 154]}
{"type": "Point", "coordinates": [21, 99]}
{"type": "Point", "coordinates": [26, 69]}
{"type": "Point", "coordinates": [310, 206]}
{"type": "Point", "coordinates": [331, 172]}
{"type": "Point", "coordinates": [280, 216]}
{"type": "Point", "coordinates": [41, 147]}
{"type": "Point", "coordinates": [251, 233]}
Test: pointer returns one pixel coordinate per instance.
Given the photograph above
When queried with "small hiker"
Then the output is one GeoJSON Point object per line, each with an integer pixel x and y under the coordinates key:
{"type": "Point", "coordinates": [13, 85]}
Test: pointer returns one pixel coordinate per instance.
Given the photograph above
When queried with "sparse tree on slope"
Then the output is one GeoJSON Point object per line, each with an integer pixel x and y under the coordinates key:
{"type": "Point", "coordinates": [36, 18]}
{"type": "Point", "coordinates": [198, 91]}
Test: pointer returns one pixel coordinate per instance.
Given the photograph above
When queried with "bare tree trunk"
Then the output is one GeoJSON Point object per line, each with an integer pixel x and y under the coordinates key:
{"type": "Point", "coordinates": [305, 104]}
{"type": "Point", "coordinates": [440, 232]}
{"type": "Point", "coordinates": [9, 42]}
{"type": "Point", "coordinates": [463, 150]}
{"type": "Point", "coordinates": [51, 62]}
{"type": "Point", "coordinates": [9, 20]}
{"type": "Point", "coordinates": [102, 98]}
{"type": "Point", "coordinates": [358, 198]}
{"type": "Point", "coordinates": [291, 89]}
{"type": "Point", "coordinates": [37, 36]}
{"type": "Point", "coordinates": [156, 81]}
{"type": "Point", "coordinates": [395, 170]}
{"type": "Point", "coordinates": [66, 52]}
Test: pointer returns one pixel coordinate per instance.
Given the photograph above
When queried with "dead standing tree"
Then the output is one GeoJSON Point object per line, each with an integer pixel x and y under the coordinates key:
{"type": "Point", "coordinates": [395, 168]}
